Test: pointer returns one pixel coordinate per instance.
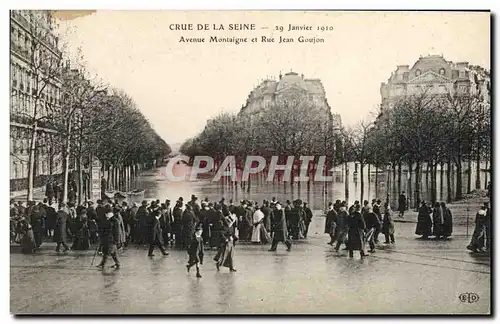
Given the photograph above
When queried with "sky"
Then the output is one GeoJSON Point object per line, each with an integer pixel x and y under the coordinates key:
{"type": "Point", "coordinates": [178, 86]}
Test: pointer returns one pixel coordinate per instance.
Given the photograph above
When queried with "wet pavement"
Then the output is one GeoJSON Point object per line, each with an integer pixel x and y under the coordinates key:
{"type": "Point", "coordinates": [411, 276]}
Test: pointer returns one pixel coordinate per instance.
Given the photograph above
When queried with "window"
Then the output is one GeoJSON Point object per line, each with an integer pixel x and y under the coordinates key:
{"type": "Point", "coordinates": [405, 76]}
{"type": "Point", "coordinates": [442, 71]}
{"type": "Point", "coordinates": [454, 74]}
{"type": "Point", "coordinates": [418, 72]}
{"type": "Point", "coordinates": [16, 170]}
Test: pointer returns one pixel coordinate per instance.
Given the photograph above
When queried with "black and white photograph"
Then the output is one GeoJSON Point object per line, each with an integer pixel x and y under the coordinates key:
{"type": "Point", "coordinates": [246, 162]}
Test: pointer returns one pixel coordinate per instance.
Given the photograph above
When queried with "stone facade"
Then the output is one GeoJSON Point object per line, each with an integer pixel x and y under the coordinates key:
{"type": "Point", "coordinates": [268, 91]}
{"type": "Point", "coordinates": [33, 46]}
{"type": "Point", "coordinates": [434, 74]}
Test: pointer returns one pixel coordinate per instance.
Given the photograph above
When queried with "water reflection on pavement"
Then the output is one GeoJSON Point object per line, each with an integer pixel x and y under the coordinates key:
{"type": "Point", "coordinates": [413, 276]}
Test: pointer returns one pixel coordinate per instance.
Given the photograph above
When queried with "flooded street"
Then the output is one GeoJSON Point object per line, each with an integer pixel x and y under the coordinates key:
{"type": "Point", "coordinates": [412, 276]}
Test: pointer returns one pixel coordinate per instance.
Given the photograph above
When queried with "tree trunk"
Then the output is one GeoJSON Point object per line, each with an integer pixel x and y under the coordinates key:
{"type": "Point", "coordinates": [427, 174]}
{"type": "Point", "coordinates": [369, 181]}
{"type": "Point", "coordinates": [418, 183]}
{"type": "Point", "coordinates": [486, 175]}
{"type": "Point", "coordinates": [80, 179]}
{"type": "Point", "coordinates": [361, 165]}
{"type": "Point", "coordinates": [410, 176]}
{"type": "Point", "coordinates": [469, 175]}
{"type": "Point", "coordinates": [393, 187]}
{"type": "Point", "coordinates": [376, 182]}
{"type": "Point", "coordinates": [346, 184]}
{"type": "Point", "coordinates": [433, 183]}
{"type": "Point", "coordinates": [459, 193]}
{"type": "Point", "coordinates": [399, 177]}
{"type": "Point", "coordinates": [449, 197]}
{"type": "Point", "coordinates": [441, 177]}
{"type": "Point", "coordinates": [31, 162]}
{"type": "Point", "coordinates": [67, 151]}
{"type": "Point", "coordinates": [478, 170]}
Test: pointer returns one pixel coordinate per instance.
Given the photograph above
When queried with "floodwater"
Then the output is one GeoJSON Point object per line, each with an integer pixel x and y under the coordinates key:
{"type": "Point", "coordinates": [317, 194]}
{"type": "Point", "coordinates": [410, 277]}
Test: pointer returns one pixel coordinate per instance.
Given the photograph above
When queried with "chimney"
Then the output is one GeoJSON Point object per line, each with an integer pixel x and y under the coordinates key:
{"type": "Point", "coordinates": [280, 75]}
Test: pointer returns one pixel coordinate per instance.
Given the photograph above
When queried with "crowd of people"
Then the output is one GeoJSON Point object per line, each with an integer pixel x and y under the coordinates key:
{"type": "Point", "coordinates": [111, 226]}
{"type": "Point", "coordinates": [194, 226]}
{"type": "Point", "coordinates": [358, 226]}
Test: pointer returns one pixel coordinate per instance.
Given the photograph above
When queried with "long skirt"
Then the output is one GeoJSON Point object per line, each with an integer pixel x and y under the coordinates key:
{"type": "Point", "coordinates": [28, 242]}
{"type": "Point", "coordinates": [478, 237]}
{"type": "Point", "coordinates": [225, 255]}
{"type": "Point", "coordinates": [260, 235]}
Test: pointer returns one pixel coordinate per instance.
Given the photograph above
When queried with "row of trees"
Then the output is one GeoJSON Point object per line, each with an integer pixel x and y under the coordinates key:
{"type": "Point", "coordinates": [420, 130]}
{"type": "Point", "coordinates": [289, 126]}
{"type": "Point", "coordinates": [90, 120]}
{"type": "Point", "coordinates": [435, 130]}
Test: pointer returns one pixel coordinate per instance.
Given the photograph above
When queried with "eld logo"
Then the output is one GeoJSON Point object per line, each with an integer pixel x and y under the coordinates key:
{"type": "Point", "coordinates": [469, 298]}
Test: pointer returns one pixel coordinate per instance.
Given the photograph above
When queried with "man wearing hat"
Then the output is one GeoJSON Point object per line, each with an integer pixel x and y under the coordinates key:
{"type": "Point", "coordinates": [155, 237]}
{"type": "Point", "coordinates": [60, 232]}
{"type": "Point", "coordinates": [194, 205]}
{"type": "Point", "coordinates": [142, 218]}
{"type": "Point", "coordinates": [279, 228]}
{"type": "Point", "coordinates": [109, 239]}
{"type": "Point", "coordinates": [307, 219]}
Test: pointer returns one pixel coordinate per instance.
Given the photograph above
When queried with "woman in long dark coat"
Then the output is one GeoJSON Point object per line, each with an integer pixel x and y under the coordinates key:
{"type": "Point", "coordinates": [195, 250]}
{"type": "Point", "coordinates": [437, 220]}
{"type": "Point", "coordinates": [477, 241]}
{"type": "Point", "coordinates": [355, 240]}
{"type": "Point", "coordinates": [447, 221]}
{"type": "Point", "coordinates": [225, 254]}
{"type": "Point", "coordinates": [28, 241]}
{"type": "Point", "coordinates": [424, 222]}
{"type": "Point", "coordinates": [388, 225]}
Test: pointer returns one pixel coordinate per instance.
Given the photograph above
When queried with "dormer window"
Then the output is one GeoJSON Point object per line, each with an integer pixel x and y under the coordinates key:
{"type": "Point", "coordinates": [418, 72]}
{"type": "Point", "coordinates": [441, 71]}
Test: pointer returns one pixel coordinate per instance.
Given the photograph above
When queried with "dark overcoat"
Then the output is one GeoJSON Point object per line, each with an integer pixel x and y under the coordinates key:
{"type": "Point", "coordinates": [447, 222]}
{"type": "Point", "coordinates": [61, 228]}
{"type": "Point", "coordinates": [330, 221]}
{"type": "Point", "coordinates": [278, 225]}
{"type": "Point", "coordinates": [155, 234]}
{"type": "Point", "coordinates": [388, 223]}
{"type": "Point", "coordinates": [424, 222]}
{"type": "Point", "coordinates": [355, 240]}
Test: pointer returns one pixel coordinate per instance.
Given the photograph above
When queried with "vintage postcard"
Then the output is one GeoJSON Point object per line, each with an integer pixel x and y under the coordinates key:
{"type": "Point", "coordinates": [250, 162]}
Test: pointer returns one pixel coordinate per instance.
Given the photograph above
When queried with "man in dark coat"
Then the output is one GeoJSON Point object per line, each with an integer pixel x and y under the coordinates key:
{"type": "Point", "coordinates": [109, 238]}
{"type": "Point", "coordinates": [189, 220]}
{"type": "Point", "coordinates": [38, 223]}
{"type": "Point", "coordinates": [402, 202]}
{"type": "Point", "coordinates": [342, 227]}
{"type": "Point", "coordinates": [61, 228]}
{"type": "Point", "coordinates": [330, 223]}
{"type": "Point", "coordinates": [104, 187]}
{"type": "Point", "coordinates": [155, 237]}
{"type": "Point", "coordinates": [279, 228]}
{"type": "Point", "coordinates": [424, 222]}
{"type": "Point", "coordinates": [50, 220]}
{"type": "Point", "coordinates": [373, 225]}
{"type": "Point", "coordinates": [266, 210]}
{"type": "Point", "coordinates": [49, 191]}
{"type": "Point", "coordinates": [447, 221]}
{"type": "Point", "coordinates": [143, 219]}
{"type": "Point", "coordinates": [356, 224]}
{"type": "Point", "coordinates": [307, 219]}
{"type": "Point", "coordinates": [437, 220]}
{"type": "Point", "coordinates": [177, 225]}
